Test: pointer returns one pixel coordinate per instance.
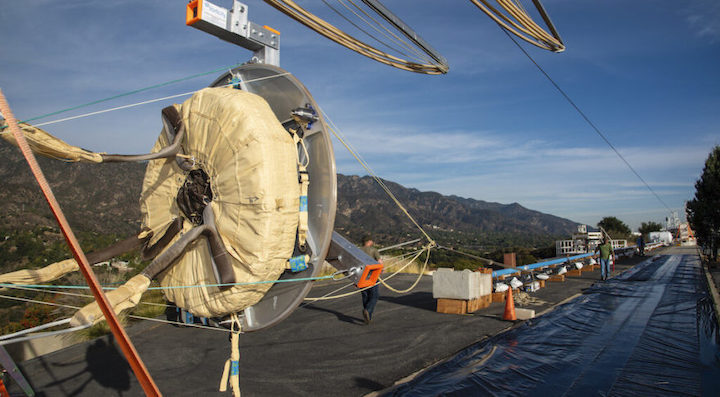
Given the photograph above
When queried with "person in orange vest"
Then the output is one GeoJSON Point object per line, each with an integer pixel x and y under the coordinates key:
{"type": "Point", "coordinates": [370, 296]}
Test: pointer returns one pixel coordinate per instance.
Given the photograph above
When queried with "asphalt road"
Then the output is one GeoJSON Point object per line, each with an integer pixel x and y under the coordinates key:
{"type": "Point", "coordinates": [322, 349]}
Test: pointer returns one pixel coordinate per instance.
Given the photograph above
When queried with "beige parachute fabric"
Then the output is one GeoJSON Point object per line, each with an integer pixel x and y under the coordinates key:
{"type": "Point", "coordinates": [251, 161]}
{"type": "Point", "coordinates": [47, 145]}
{"type": "Point", "coordinates": [124, 297]}
{"type": "Point", "coordinates": [43, 275]}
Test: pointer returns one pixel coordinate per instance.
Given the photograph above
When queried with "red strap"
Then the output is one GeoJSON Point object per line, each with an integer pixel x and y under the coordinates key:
{"type": "Point", "coordinates": [3, 390]}
{"type": "Point", "coordinates": [121, 337]}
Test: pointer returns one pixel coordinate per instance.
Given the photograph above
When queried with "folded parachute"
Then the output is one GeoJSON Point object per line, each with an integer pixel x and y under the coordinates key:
{"type": "Point", "coordinates": [230, 158]}
{"type": "Point", "coordinates": [251, 165]}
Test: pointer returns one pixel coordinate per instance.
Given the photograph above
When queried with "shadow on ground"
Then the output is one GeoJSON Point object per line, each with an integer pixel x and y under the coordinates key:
{"type": "Point", "coordinates": [368, 384]}
{"type": "Point", "coordinates": [105, 366]}
{"type": "Point", "coordinates": [340, 316]}
{"type": "Point", "coordinates": [419, 300]}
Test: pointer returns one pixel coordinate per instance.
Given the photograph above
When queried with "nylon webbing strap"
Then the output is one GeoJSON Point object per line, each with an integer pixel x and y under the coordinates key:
{"type": "Point", "coordinates": [121, 337]}
{"type": "Point", "coordinates": [304, 181]}
{"type": "Point", "coordinates": [299, 263]}
{"type": "Point", "coordinates": [231, 371]}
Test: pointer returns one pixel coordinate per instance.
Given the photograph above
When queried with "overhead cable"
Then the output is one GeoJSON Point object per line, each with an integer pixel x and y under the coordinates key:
{"type": "Point", "coordinates": [587, 119]}
{"type": "Point", "coordinates": [333, 128]}
{"type": "Point", "coordinates": [131, 105]}
{"type": "Point", "coordinates": [136, 91]}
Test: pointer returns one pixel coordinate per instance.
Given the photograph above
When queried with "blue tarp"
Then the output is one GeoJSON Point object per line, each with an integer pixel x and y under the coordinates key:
{"type": "Point", "coordinates": [651, 331]}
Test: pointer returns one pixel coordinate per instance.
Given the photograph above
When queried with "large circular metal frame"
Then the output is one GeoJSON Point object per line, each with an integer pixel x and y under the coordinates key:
{"type": "Point", "coordinates": [283, 92]}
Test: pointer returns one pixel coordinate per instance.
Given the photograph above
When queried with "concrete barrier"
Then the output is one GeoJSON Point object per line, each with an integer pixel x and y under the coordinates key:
{"type": "Point", "coordinates": [453, 284]}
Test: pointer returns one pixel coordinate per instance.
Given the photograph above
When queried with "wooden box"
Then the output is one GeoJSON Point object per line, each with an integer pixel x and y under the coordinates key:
{"type": "Point", "coordinates": [557, 278]}
{"type": "Point", "coordinates": [480, 303]}
{"type": "Point", "coordinates": [574, 272]}
{"type": "Point", "coordinates": [452, 306]}
{"type": "Point", "coordinates": [499, 296]}
{"type": "Point", "coordinates": [473, 305]}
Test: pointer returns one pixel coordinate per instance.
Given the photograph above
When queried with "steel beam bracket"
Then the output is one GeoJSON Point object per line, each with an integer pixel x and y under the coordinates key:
{"type": "Point", "coordinates": [234, 27]}
{"type": "Point", "coordinates": [360, 267]}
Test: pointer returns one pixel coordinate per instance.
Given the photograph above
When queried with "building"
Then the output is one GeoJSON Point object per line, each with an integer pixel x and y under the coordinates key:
{"type": "Point", "coordinates": [585, 240]}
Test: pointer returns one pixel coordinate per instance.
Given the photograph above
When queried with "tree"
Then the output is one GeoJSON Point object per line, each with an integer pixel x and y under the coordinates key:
{"type": "Point", "coordinates": [647, 227]}
{"type": "Point", "coordinates": [703, 211]}
{"type": "Point", "coordinates": [615, 227]}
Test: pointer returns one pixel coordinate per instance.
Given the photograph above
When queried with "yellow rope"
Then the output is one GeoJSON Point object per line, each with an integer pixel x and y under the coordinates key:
{"type": "Point", "coordinates": [520, 24]}
{"type": "Point", "coordinates": [426, 248]}
{"type": "Point", "coordinates": [293, 10]}
{"type": "Point", "coordinates": [333, 129]}
{"type": "Point", "coordinates": [422, 271]}
{"type": "Point", "coordinates": [231, 370]}
{"type": "Point", "coordinates": [396, 38]}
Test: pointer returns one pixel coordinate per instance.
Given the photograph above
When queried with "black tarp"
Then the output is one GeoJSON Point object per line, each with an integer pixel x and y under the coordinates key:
{"type": "Point", "coordinates": [650, 331]}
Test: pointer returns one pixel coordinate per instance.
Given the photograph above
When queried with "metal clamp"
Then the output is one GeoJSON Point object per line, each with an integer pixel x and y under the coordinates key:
{"type": "Point", "coordinates": [350, 260]}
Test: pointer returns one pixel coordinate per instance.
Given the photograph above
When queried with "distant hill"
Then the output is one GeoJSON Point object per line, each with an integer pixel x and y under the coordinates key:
{"type": "Point", "coordinates": [95, 198]}
{"type": "Point", "coordinates": [104, 199]}
{"type": "Point", "coordinates": [363, 205]}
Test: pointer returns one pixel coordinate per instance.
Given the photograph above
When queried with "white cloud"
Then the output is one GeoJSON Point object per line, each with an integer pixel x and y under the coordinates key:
{"type": "Point", "coordinates": [542, 175]}
{"type": "Point", "coordinates": [703, 17]}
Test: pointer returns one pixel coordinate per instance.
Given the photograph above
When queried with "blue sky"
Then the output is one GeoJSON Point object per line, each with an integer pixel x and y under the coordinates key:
{"type": "Point", "coordinates": [493, 128]}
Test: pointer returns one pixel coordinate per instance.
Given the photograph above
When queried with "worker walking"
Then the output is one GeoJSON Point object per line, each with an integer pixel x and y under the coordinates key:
{"type": "Point", "coordinates": [641, 245]}
{"type": "Point", "coordinates": [370, 296]}
{"type": "Point", "coordinates": [606, 251]}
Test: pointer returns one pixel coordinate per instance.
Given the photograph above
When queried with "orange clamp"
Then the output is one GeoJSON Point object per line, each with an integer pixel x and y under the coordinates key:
{"type": "Point", "coordinates": [193, 12]}
{"type": "Point", "coordinates": [370, 275]}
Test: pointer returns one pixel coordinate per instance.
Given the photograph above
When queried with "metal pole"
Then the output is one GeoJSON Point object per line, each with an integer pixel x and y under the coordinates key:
{"type": "Point", "coordinates": [7, 362]}
{"type": "Point", "coordinates": [120, 336]}
{"type": "Point", "coordinates": [399, 245]}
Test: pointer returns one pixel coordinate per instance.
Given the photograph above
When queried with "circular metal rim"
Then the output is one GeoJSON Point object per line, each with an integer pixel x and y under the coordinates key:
{"type": "Point", "coordinates": [298, 290]}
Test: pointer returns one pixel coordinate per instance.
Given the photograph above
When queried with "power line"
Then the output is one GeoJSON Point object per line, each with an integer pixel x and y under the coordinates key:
{"type": "Point", "coordinates": [597, 130]}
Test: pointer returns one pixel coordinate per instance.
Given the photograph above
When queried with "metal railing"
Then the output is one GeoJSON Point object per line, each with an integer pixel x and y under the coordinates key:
{"type": "Point", "coordinates": [621, 251]}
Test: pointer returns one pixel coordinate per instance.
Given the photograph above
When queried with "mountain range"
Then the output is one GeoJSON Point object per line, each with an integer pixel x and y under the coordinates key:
{"type": "Point", "coordinates": [103, 199]}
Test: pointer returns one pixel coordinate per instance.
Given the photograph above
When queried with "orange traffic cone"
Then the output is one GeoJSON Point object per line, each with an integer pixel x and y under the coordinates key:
{"type": "Point", "coordinates": [509, 307]}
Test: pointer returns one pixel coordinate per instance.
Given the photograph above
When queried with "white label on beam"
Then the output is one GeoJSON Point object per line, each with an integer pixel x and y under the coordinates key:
{"type": "Point", "coordinates": [216, 15]}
